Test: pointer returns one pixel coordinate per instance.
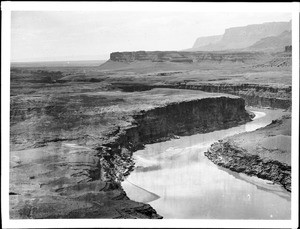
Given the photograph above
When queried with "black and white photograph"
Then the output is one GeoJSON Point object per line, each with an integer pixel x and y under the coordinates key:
{"type": "Point", "coordinates": [147, 114]}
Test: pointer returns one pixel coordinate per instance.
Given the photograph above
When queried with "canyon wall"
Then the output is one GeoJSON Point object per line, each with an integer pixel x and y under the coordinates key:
{"type": "Point", "coordinates": [163, 123]}
{"type": "Point", "coordinates": [59, 169]}
{"type": "Point", "coordinates": [253, 94]}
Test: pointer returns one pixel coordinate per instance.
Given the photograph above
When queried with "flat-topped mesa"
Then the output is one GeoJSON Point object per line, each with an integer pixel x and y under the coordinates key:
{"type": "Point", "coordinates": [270, 36]}
{"type": "Point", "coordinates": [156, 56]}
{"type": "Point", "coordinates": [186, 57]}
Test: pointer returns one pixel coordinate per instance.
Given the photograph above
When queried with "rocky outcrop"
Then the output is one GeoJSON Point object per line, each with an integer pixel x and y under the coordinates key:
{"type": "Point", "coordinates": [264, 153]}
{"type": "Point", "coordinates": [185, 57]}
{"type": "Point", "coordinates": [237, 159]}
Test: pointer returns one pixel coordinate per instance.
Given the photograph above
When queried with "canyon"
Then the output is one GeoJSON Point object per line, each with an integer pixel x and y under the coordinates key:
{"type": "Point", "coordinates": [74, 130]}
{"type": "Point", "coordinates": [253, 94]}
{"type": "Point", "coordinates": [179, 181]}
{"type": "Point", "coordinates": [63, 171]}
{"type": "Point", "coordinates": [258, 78]}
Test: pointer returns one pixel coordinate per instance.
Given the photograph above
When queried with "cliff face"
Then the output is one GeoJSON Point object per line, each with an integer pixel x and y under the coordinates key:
{"type": "Point", "coordinates": [242, 37]}
{"type": "Point", "coordinates": [191, 117]}
{"type": "Point", "coordinates": [159, 124]}
{"type": "Point", "coordinates": [185, 57]}
{"type": "Point", "coordinates": [201, 41]}
{"type": "Point", "coordinates": [253, 94]}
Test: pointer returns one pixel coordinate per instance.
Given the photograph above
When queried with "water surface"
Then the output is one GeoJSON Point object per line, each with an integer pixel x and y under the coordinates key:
{"type": "Point", "coordinates": [180, 182]}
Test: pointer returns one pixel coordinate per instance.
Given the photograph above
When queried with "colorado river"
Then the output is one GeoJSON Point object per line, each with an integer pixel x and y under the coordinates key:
{"type": "Point", "coordinates": [180, 182]}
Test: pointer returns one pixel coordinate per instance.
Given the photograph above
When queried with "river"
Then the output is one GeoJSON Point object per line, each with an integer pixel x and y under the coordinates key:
{"type": "Point", "coordinates": [179, 182]}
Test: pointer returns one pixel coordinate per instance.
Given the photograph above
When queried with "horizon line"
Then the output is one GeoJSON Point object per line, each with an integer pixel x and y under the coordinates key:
{"type": "Point", "coordinates": [41, 61]}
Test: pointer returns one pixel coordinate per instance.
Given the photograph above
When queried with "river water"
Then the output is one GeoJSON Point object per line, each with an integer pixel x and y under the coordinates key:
{"type": "Point", "coordinates": [179, 182]}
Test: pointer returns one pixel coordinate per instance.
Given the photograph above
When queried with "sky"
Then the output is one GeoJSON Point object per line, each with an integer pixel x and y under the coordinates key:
{"type": "Point", "coordinates": [91, 35]}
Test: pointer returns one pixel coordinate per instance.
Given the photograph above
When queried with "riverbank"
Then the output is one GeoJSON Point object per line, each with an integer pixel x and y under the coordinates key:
{"type": "Point", "coordinates": [189, 185]}
{"type": "Point", "coordinates": [265, 153]}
